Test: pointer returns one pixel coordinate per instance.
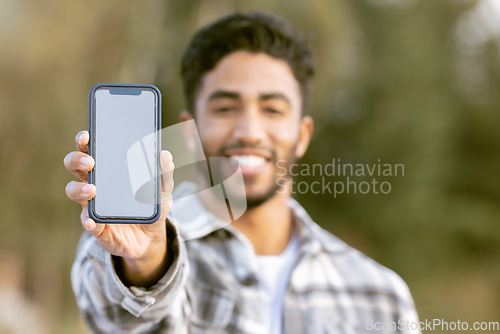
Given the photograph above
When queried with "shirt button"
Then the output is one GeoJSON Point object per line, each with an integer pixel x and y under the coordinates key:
{"type": "Point", "coordinates": [249, 280]}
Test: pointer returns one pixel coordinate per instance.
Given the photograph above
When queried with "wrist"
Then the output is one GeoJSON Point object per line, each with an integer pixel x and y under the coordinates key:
{"type": "Point", "coordinates": [147, 269]}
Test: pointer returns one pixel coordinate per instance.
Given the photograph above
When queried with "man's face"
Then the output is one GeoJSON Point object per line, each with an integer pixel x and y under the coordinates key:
{"type": "Point", "coordinates": [249, 108]}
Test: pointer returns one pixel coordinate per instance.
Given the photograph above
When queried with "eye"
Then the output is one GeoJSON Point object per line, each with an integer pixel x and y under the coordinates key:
{"type": "Point", "coordinates": [273, 111]}
{"type": "Point", "coordinates": [224, 109]}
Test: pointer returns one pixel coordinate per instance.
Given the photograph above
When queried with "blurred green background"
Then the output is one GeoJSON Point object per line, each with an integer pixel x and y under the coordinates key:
{"type": "Point", "coordinates": [404, 81]}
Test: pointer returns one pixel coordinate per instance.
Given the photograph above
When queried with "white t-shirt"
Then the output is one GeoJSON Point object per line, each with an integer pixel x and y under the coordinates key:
{"type": "Point", "coordinates": [274, 272]}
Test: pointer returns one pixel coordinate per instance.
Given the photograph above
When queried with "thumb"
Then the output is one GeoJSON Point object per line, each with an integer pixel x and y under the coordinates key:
{"type": "Point", "coordinates": [167, 171]}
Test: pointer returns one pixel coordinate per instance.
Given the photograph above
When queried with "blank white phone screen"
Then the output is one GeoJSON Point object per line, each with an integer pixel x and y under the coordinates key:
{"type": "Point", "coordinates": [123, 116]}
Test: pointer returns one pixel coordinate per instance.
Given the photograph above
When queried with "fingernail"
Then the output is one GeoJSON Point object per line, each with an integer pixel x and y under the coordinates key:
{"type": "Point", "coordinates": [86, 189]}
{"type": "Point", "coordinates": [86, 162]}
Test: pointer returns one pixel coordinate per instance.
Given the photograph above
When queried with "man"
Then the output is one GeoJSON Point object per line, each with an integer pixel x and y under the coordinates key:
{"type": "Point", "coordinates": [273, 270]}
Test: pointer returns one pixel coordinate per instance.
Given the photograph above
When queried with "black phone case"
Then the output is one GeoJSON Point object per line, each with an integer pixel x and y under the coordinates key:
{"type": "Point", "coordinates": [125, 220]}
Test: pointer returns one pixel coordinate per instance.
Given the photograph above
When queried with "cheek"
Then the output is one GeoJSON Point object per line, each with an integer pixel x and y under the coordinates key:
{"type": "Point", "coordinates": [286, 131]}
{"type": "Point", "coordinates": [212, 136]}
{"type": "Point", "coordinates": [286, 143]}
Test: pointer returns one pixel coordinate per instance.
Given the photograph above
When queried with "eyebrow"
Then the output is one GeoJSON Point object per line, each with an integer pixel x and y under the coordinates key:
{"type": "Point", "coordinates": [272, 96]}
{"type": "Point", "coordinates": [220, 94]}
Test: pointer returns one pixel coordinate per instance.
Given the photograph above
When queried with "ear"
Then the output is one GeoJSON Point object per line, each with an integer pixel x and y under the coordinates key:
{"type": "Point", "coordinates": [305, 133]}
{"type": "Point", "coordinates": [185, 116]}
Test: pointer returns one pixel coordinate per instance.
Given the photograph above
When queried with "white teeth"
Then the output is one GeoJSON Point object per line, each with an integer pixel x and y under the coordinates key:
{"type": "Point", "coordinates": [249, 161]}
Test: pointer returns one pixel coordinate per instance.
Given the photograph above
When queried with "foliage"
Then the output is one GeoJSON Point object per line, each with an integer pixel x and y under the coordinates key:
{"type": "Point", "coordinates": [401, 81]}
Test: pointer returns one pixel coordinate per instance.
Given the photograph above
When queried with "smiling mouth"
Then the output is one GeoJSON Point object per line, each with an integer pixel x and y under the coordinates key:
{"type": "Point", "coordinates": [249, 161]}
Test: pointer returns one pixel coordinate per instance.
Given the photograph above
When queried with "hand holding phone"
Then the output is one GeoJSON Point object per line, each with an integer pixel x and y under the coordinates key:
{"type": "Point", "coordinates": [142, 247]}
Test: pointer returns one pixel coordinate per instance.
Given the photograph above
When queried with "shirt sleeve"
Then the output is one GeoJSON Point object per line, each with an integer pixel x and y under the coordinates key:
{"type": "Point", "coordinates": [407, 321]}
{"type": "Point", "coordinates": [108, 306]}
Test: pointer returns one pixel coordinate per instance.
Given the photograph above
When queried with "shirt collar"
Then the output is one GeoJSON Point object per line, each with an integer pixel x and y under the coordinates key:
{"type": "Point", "coordinates": [195, 222]}
{"type": "Point", "coordinates": [311, 236]}
{"type": "Point", "coordinates": [192, 219]}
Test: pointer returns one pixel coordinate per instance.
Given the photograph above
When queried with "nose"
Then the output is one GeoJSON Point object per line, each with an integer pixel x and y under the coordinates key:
{"type": "Point", "coordinates": [250, 126]}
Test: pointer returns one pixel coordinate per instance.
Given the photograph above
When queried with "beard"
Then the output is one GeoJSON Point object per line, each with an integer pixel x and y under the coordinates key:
{"type": "Point", "coordinates": [257, 200]}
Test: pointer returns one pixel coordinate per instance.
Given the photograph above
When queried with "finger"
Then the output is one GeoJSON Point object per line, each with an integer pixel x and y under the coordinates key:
{"type": "Point", "coordinates": [80, 192]}
{"type": "Point", "coordinates": [79, 164]}
{"type": "Point", "coordinates": [89, 224]}
{"type": "Point", "coordinates": [82, 141]}
{"type": "Point", "coordinates": [167, 171]}
{"type": "Point", "coordinates": [167, 185]}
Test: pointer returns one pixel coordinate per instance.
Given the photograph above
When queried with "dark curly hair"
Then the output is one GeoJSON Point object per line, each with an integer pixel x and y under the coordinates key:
{"type": "Point", "coordinates": [255, 32]}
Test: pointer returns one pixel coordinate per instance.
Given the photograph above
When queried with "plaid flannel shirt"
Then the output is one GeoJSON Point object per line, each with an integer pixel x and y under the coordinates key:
{"type": "Point", "coordinates": [212, 285]}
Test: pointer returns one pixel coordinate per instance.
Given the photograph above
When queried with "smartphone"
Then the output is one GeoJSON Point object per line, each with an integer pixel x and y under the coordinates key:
{"type": "Point", "coordinates": [124, 128]}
